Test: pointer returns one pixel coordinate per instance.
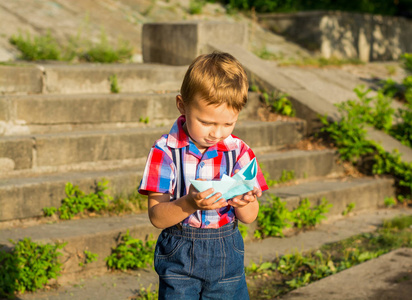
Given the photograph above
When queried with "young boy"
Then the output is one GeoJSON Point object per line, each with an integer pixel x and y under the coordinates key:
{"type": "Point", "coordinates": [200, 252]}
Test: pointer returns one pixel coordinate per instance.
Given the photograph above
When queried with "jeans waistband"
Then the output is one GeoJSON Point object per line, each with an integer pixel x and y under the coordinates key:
{"type": "Point", "coordinates": [203, 233]}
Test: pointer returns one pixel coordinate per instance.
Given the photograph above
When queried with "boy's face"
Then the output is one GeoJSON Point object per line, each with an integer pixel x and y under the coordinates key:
{"type": "Point", "coordinates": [207, 124]}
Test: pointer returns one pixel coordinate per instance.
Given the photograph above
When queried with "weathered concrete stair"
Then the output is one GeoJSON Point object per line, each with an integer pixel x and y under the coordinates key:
{"type": "Point", "coordinates": [89, 78]}
{"type": "Point", "coordinates": [364, 193]}
{"type": "Point", "coordinates": [77, 147]}
{"type": "Point", "coordinates": [81, 138]}
{"type": "Point", "coordinates": [100, 234]}
{"type": "Point", "coordinates": [122, 285]}
{"type": "Point", "coordinates": [24, 197]}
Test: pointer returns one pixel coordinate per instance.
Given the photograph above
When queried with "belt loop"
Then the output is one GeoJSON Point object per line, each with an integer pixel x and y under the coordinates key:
{"type": "Point", "coordinates": [235, 223]}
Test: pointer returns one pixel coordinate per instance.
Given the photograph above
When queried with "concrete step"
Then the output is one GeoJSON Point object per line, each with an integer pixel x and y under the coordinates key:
{"type": "Point", "coordinates": [39, 113]}
{"type": "Point", "coordinates": [118, 285]}
{"type": "Point", "coordinates": [386, 277]}
{"type": "Point", "coordinates": [24, 197]}
{"type": "Point", "coordinates": [365, 193]}
{"type": "Point", "coordinates": [89, 78]}
{"type": "Point", "coordinates": [99, 234]}
{"type": "Point", "coordinates": [304, 164]}
{"type": "Point", "coordinates": [74, 149]}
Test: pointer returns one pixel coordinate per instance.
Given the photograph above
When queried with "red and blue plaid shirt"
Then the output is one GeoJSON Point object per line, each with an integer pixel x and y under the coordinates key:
{"type": "Point", "coordinates": [163, 173]}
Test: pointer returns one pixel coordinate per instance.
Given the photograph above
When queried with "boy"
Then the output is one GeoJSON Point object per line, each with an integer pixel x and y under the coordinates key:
{"type": "Point", "coordinates": [200, 252]}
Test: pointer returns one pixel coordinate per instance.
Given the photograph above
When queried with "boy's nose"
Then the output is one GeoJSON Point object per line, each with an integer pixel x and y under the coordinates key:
{"type": "Point", "coordinates": [216, 133]}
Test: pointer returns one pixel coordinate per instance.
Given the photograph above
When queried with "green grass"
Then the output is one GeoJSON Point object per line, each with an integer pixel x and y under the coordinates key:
{"type": "Point", "coordinates": [46, 47]}
{"type": "Point", "coordinates": [273, 279]}
{"type": "Point", "coordinates": [321, 62]}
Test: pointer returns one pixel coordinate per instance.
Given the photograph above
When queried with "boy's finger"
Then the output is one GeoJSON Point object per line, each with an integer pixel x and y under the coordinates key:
{"type": "Point", "coordinates": [257, 192]}
{"type": "Point", "coordinates": [204, 194]}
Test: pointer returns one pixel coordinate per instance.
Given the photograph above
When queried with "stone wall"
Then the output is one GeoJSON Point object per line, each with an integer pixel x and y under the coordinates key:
{"type": "Point", "coordinates": [345, 35]}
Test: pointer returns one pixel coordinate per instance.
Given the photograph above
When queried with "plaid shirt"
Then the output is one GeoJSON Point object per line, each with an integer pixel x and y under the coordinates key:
{"type": "Point", "coordinates": [161, 173]}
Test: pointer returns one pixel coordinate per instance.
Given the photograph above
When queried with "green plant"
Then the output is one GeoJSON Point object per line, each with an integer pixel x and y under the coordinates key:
{"type": "Point", "coordinates": [279, 103]}
{"type": "Point", "coordinates": [299, 281]}
{"type": "Point", "coordinates": [144, 120]}
{"type": "Point", "coordinates": [348, 135]}
{"type": "Point", "coordinates": [196, 7]}
{"type": "Point", "coordinates": [390, 87]}
{"type": "Point", "coordinates": [49, 211]}
{"type": "Point", "coordinates": [376, 110]}
{"type": "Point", "coordinates": [46, 47]}
{"type": "Point", "coordinates": [399, 223]}
{"type": "Point", "coordinates": [243, 230]}
{"type": "Point", "coordinates": [263, 6]}
{"type": "Point", "coordinates": [266, 175]}
{"type": "Point", "coordinates": [406, 59]}
{"type": "Point", "coordinates": [28, 267]}
{"type": "Point", "coordinates": [402, 131]}
{"type": "Point", "coordinates": [254, 88]}
{"type": "Point", "coordinates": [77, 201]}
{"type": "Point", "coordinates": [348, 208]}
{"type": "Point", "coordinates": [265, 54]}
{"type": "Point", "coordinates": [89, 257]}
{"type": "Point", "coordinates": [147, 294]}
{"type": "Point", "coordinates": [37, 48]}
{"type": "Point", "coordinates": [114, 85]}
{"type": "Point", "coordinates": [320, 61]}
{"type": "Point", "coordinates": [131, 253]}
{"type": "Point", "coordinates": [285, 177]}
{"type": "Point", "coordinates": [305, 217]}
{"type": "Point", "coordinates": [273, 217]}
{"type": "Point", "coordinates": [401, 199]}
{"type": "Point", "coordinates": [104, 52]}
{"type": "Point", "coordinates": [389, 201]}
{"type": "Point", "coordinates": [133, 202]}
{"type": "Point", "coordinates": [391, 70]}
{"type": "Point", "coordinates": [270, 280]}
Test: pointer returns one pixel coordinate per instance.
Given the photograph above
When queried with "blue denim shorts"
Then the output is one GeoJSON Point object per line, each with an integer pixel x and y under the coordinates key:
{"type": "Point", "coordinates": [198, 263]}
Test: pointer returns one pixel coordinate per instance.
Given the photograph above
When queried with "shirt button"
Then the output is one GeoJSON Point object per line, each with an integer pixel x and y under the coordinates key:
{"type": "Point", "coordinates": [202, 164]}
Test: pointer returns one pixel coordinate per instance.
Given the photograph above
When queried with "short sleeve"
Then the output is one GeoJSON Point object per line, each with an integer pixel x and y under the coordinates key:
{"type": "Point", "coordinates": [158, 174]}
{"type": "Point", "coordinates": [245, 156]}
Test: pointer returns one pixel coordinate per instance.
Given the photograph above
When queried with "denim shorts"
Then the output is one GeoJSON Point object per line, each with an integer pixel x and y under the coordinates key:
{"type": "Point", "coordinates": [198, 263]}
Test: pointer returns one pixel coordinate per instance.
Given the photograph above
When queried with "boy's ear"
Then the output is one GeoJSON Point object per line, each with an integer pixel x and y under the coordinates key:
{"type": "Point", "coordinates": [180, 104]}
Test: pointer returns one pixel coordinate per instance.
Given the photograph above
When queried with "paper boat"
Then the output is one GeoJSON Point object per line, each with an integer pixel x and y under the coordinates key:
{"type": "Point", "coordinates": [241, 183]}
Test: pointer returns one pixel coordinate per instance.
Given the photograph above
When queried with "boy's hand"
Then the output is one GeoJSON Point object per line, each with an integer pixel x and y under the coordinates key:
{"type": "Point", "coordinates": [245, 199]}
{"type": "Point", "coordinates": [198, 199]}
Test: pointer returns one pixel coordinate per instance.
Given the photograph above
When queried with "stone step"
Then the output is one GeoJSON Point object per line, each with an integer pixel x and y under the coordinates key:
{"type": "Point", "coordinates": [89, 78]}
{"type": "Point", "coordinates": [365, 193]}
{"type": "Point", "coordinates": [97, 235]}
{"type": "Point", "coordinates": [25, 197]}
{"type": "Point", "coordinates": [74, 149]}
{"type": "Point", "coordinates": [39, 113]}
{"type": "Point", "coordinates": [385, 277]}
{"type": "Point", "coordinates": [123, 285]}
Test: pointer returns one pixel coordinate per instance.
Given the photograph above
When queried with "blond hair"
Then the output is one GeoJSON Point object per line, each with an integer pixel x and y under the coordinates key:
{"type": "Point", "coordinates": [217, 78]}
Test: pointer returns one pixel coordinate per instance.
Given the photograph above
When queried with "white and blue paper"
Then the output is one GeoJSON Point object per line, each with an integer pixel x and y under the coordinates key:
{"type": "Point", "coordinates": [241, 183]}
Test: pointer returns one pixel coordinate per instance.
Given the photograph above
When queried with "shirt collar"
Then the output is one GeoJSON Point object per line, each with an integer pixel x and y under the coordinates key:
{"type": "Point", "coordinates": [177, 138]}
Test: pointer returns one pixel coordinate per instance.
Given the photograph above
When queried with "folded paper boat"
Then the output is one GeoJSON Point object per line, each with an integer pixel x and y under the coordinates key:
{"type": "Point", "coordinates": [239, 184]}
